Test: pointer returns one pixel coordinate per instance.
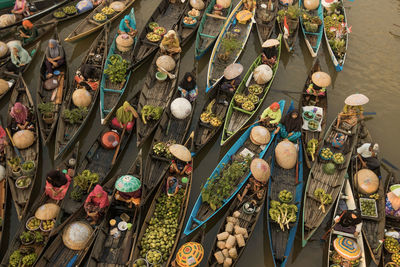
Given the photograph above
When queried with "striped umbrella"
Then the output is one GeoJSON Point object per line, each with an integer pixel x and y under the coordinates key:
{"type": "Point", "coordinates": [347, 248]}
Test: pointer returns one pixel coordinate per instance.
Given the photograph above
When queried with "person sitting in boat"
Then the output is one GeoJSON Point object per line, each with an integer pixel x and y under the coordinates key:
{"type": "Point", "coordinates": [97, 2]}
{"type": "Point", "coordinates": [96, 204]}
{"type": "Point", "coordinates": [128, 190]}
{"type": "Point", "coordinates": [188, 87]}
{"type": "Point", "coordinates": [22, 118]}
{"type": "Point", "coordinates": [55, 57]}
{"type": "Point", "coordinates": [19, 59]}
{"type": "Point", "coordinates": [231, 79]}
{"type": "Point", "coordinates": [125, 26]}
{"type": "Point", "coordinates": [258, 182]}
{"type": "Point", "coordinates": [180, 167]}
{"type": "Point", "coordinates": [21, 8]}
{"type": "Point", "coordinates": [352, 111]}
{"type": "Point", "coordinates": [290, 127]}
{"type": "Point", "coordinates": [271, 116]}
{"type": "Point", "coordinates": [88, 77]}
{"type": "Point", "coordinates": [249, 5]}
{"type": "Point", "coordinates": [393, 201]}
{"type": "Point", "coordinates": [125, 113]}
{"type": "Point", "coordinates": [3, 144]}
{"type": "Point", "coordinates": [270, 52]}
{"type": "Point", "coordinates": [181, 164]}
{"type": "Point", "coordinates": [338, 140]}
{"type": "Point", "coordinates": [367, 154]}
{"type": "Point", "coordinates": [348, 222]}
{"type": "Point", "coordinates": [28, 32]}
{"type": "Point", "coordinates": [172, 186]}
{"type": "Point", "coordinates": [57, 183]}
{"type": "Point", "coordinates": [170, 43]}
{"type": "Point", "coordinates": [317, 88]}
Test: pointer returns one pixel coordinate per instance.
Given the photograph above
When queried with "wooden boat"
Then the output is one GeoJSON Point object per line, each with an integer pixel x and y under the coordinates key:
{"type": "Point", "coordinates": [67, 132]}
{"type": "Point", "coordinates": [265, 18]}
{"type": "Point", "coordinates": [167, 15]}
{"type": "Point", "coordinates": [241, 33]}
{"type": "Point", "coordinates": [38, 248]}
{"type": "Point", "coordinates": [108, 250]}
{"type": "Point", "coordinates": [246, 221]}
{"type": "Point", "coordinates": [55, 96]}
{"type": "Point", "coordinates": [312, 39]}
{"type": "Point", "coordinates": [307, 135]}
{"type": "Point", "coordinates": [202, 212]}
{"type": "Point", "coordinates": [187, 31]}
{"type": "Point", "coordinates": [157, 94]}
{"type": "Point", "coordinates": [183, 193]}
{"type": "Point", "coordinates": [288, 40]}
{"type": "Point", "coordinates": [98, 160]}
{"type": "Point", "coordinates": [281, 242]}
{"type": "Point", "coordinates": [237, 117]}
{"type": "Point", "coordinates": [331, 184]}
{"type": "Point", "coordinates": [89, 26]}
{"type": "Point", "coordinates": [111, 93]}
{"type": "Point", "coordinates": [170, 130]}
{"type": "Point", "coordinates": [21, 197]}
{"type": "Point", "coordinates": [338, 59]}
{"type": "Point", "coordinates": [209, 29]}
{"type": "Point", "coordinates": [345, 202]}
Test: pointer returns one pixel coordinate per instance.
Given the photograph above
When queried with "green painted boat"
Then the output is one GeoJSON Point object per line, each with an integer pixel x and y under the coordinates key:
{"type": "Point", "coordinates": [6, 3]}
{"type": "Point", "coordinates": [237, 117]}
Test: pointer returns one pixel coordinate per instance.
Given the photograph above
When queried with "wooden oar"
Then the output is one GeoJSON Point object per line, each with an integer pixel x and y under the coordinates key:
{"type": "Point", "coordinates": [323, 238]}
{"type": "Point", "coordinates": [15, 148]}
{"type": "Point", "coordinates": [244, 128]}
{"type": "Point", "coordinates": [119, 145]}
{"type": "Point", "coordinates": [190, 137]}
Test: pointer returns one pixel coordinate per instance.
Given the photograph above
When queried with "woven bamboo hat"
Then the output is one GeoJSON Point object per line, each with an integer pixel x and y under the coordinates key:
{"type": "Point", "coordinates": [47, 211]}
{"type": "Point", "coordinates": [356, 100]}
{"type": "Point", "coordinates": [180, 152]}
{"type": "Point", "coordinates": [233, 71]}
{"type": "Point", "coordinates": [321, 79]}
{"type": "Point", "coordinates": [76, 235]}
{"type": "Point", "coordinates": [260, 135]}
{"type": "Point", "coordinates": [260, 170]}
{"type": "Point", "coordinates": [270, 43]}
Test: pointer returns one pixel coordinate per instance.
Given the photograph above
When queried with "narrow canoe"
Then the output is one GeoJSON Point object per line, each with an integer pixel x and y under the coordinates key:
{"type": "Point", "coordinates": [265, 19]}
{"type": "Point", "coordinates": [281, 242]}
{"type": "Point", "coordinates": [54, 96]}
{"type": "Point", "coordinates": [307, 135]}
{"type": "Point", "coordinates": [209, 29]}
{"type": "Point", "coordinates": [337, 59]}
{"type": "Point", "coordinates": [108, 250]}
{"type": "Point", "coordinates": [155, 93]}
{"type": "Point", "coordinates": [67, 132]}
{"type": "Point", "coordinates": [331, 184]}
{"type": "Point", "coordinates": [170, 129]}
{"type": "Point", "coordinates": [345, 202]}
{"type": "Point", "coordinates": [15, 243]}
{"type": "Point", "coordinates": [313, 39]}
{"type": "Point", "coordinates": [202, 212]}
{"type": "Point", "coordinates": [111, 93]}
{"type": "Point", "coordinates": [216, 66]}
{"type": "Point", "coordinates": [293, 25]}
{"type": "Point", "coordinates": [237, 117]}
{"type": "Point", "coordinates": [89, 26]}
{"type": "Point", "coordinates": [21, 197]}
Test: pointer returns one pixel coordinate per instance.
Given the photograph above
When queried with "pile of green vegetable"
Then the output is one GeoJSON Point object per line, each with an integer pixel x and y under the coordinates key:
{"type": "Point", "coordinates": [311, 23]}
{"type": "Point", "coordinates": [285, 196]}
{"type": "Point", "coordinates": [323, 197]}
{"type": "Point", "coordinates": [368, 207]}
{"type": "Point", "coordinates": [116, 69]}
{"type": "Point", "coordinates": [221, 186]}
{"type": "Point", "coordinates": [283, 213]}
{"type": "Point", "coordinates": [23, 257]}
{"type": "Point", "coordinates": [75, 115]}
{"type": "Point", "coordinates": [336, 32]}
{"type": "Point", "coordinates": [161, 233]}
{"type": "Point", "coordinates": [160, 149]}
{"type": "Point", "coordinates": [28, 165]}
{"type": "Point", "coordinates": [69, 10]}
{"type": "Point", "coordinates": [83, 182]}
{"type": "Point", "coordinates": [312, 147]}
{"type": "Point", "coordinates": [150, 112]}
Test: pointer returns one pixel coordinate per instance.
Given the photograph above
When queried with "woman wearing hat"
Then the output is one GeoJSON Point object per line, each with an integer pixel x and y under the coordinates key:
{"type": "Point", "coordinates": [170, 43]}
{"type": "Point", "coordinates": [57, 184]}
{"type": "Point", "coordinates": [96, 204]}
{"type": "Point", "coordinates": [349, 222]}
{"type": "Point", "coordinates": [271, 116]}
{"type": "Point", "coordinates": [188, 87]}
{"type": "Point", "coordinates": [290, 127]}
{"type": "Point", "coordinates": [270, 52]}
{"type": "Point", "coordinates": [320, 80]}
{"type": "Point", "coordinates": [393, 201]}
{"type": "Point", "coordinates": [3, 144]}
{"type": "Point", "coordinates": [128, 190]}
{"type": "Point", "coordinates": [182, 163]}
{"type": "Point", "coordinates": [352, 110]}
{"type": "Point", "coordinates": [189, 254]}
{"type": "Point", "coordinates": [231, 79]}
{"type": "Point", "coordinates": [258, 182]}
{"type": "Point", "coordinates": [367, 154]}
{"type": "Point", "coordinates": [28, 32]}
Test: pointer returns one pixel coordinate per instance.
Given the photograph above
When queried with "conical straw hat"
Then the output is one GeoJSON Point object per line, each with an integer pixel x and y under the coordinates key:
{"type": "Point", "coordinates": [321, 79]}
{"type": "Point", "coordinates": [76, 235]}
{"type": "Point", "coordinates": [233, 71]}
{"type": "Point", "coordinates": [180, 152]}
{"type": "Point", "coordinates": [260, 135]}
{"type": "Point", "coordinates": [189, 254]}
{"type": "Point", "coordinates": [270, 43]}
{"type": "Point", "coordinates": [47, 211]}
{"type": "Point", "coordinates": [347, 248]}
{"type": "Point", "coordinates": [356, 100]}
{"type": "Point", "coordinates": [260, 170]}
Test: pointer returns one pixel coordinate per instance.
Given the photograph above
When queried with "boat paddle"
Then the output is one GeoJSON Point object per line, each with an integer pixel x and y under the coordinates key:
{"type": "Point", "coordinates": [323, 238]}
{"type": "Point", "coordinates": [15, 148]}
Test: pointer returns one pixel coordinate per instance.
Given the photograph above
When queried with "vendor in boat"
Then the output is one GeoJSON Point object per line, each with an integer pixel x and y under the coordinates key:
{"type": "Point", "coordinates": [181, 164]}
{"type": "Point", "coordinates": [231, 79]}
{"type": "Point", "coordinates": [126, 26]}
{"type": "Point", "coordinates": [270, 52]}
{"type": "Point", "coordinates": [21, 8]}
{"type": "Point", "coordinates": [249, 5]}
{"type": "Point", "coordinates": [172, 186]}
{"type": "Point", "coordinates": [188, 87]}
{"type": "Point", "coordinates": [87, 76]}
{"type": "Point", "coordinates": [55, 57]}
{"type": "Point", "coordinates": [170, 43]}
{"type": "Point", "coordinates": [97, 2]}
{"type": "Point", "coordinates": [125, 117]}
{"type": "Point", "coordinates": [57, 183]}
{"type": "Point", "coordinates": [367, 154]}
{"type": "Point", "coordinates": [317, 88]}
{"type": "Point", "coordinates": [393, 201]}
{"type": "Point", "coordinates": [96, 204]}
{"type": "Point", "coordinates": [19, 59]}
{"type": "Point", "coordinates": [3, 144]}
{"type": "Point", "coordinates": [257, 184]}
{"type": "Point", "coordinates": [352, 111]}
{"type": "Point", "coordinates": [128, 190]}
{"type": "Point", "coordinates": [22, 118]}
{"type": "Point", "coordinates": [271, 116]}
{"type": "Point", "coordinates": [28, 32]}
{"type": "Point", "coordinates": [290, 126]}
{"type": "Point", "coordinates": [189, 254]}
{"type": "Point", "coordinates": [348, 222]}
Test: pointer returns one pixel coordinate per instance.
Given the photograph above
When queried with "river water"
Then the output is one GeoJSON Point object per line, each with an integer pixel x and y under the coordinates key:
{"type": "Point", "coordinates": [372, 67]}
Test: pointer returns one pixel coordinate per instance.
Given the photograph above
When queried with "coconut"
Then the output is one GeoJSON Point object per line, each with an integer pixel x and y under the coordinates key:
{"type": "Point", "coordinates": [124, 42]}
{"type": "Point", "coordinates": [260, 135]}
{"type": "Point", "coordinates": [181, 108]}
{"type": "Point", "coordinates": [2, 172]}
{"type": "Point", "coordinates": [286, 154]}
{"type": "Point", "coordinates": [197, 4]}
{"type": "Point", "coordinates": [3, 49]}
{"type": "Point", "coordinates": [117, 6]}
{"type": "Point", "coordinates": [262, 74]}
{"type": "Point", "coordinates": [23, 139]}
{"type": "Point", "coordinates": [166, 62]}
{"type": "Point", "coordinates": [3, 87]}
{"type": "Point", "coordinates": [311, 4]}
{"type": "Point", "coordinates": [367, 181]}
{"type": "Point", "coordinates": [81, 97]}
{"type": "Point", "coordinates": [224, 3]}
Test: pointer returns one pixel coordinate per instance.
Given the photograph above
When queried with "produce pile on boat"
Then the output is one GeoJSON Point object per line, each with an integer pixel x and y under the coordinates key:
{"type": "Point", "coordinates": [208, 117]}
{"type": "Point", "coordinates": [312, 147]}
{"type": "Point", "coordinates": [116, 69]}
{"type": "Point", "coordinates": [392, 245]}
{"type": "Point", "coordinates": [69, 10]}
{"type": "Point", "coordinates": [107, 11]}
{"type": "Point", "coordinates": [283, 213]}
{"type": "Point", "coordinates": [323, 197]}
{"type": "Point", "coordinates": [99, 17]}
{"type": "Point", "coordinates": [336, 29]}
{"type": "Point", "coordinates": [337, 259]}
{"type": "Point", "coordinates": [326, 153]}
{"type": "Point", "coordinates": [157, 32]}
{"type": "Point", "coordinates": [59, 14]}
{"type": "Point", "coordinates": [368, 207]}
{"type": "Point", "coordinates": [150, 112]}
{"type": "Point", "coordinates": [311, 23]}
{"type": "Point", "coordinates": [161, 149]}
{"type": "Point", "coordinates": [83, 183]}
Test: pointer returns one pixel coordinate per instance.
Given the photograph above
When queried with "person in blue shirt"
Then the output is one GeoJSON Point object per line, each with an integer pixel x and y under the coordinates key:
{"type": "Point", "coordinates": [125, 26]}
{"type": "Point", "coordinates": [290, 126]}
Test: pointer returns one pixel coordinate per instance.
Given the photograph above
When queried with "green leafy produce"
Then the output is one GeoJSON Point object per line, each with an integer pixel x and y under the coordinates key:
{"type": "Point", "coordinates": [86, 180]}
{"type": "Point", "coordinates": [160, 149]}
{"type": "Point", "coordinates": [312, 146]}
{"type": "Point", "coordinates": [283, 213]}
{"type": "Point", "coordinates": [391, 244]}
{"type": "Point", "coordinates": [46, 108]}
{"type": "Point", "coordinates": [69, 10]}
{"type": "Point", "coordinates": [221, 186]}
{"type": "Point", "coordinates": [285, 196]}
{"type": "Point", "coordinates": [27, 236]}
{"type": "Point", "coordinates": [77, 194]}
{"type": "Point", "coordinates": [255, 89]}
{"type": "Point", "coordinates": [38, 237]}
{"type": "Point", "coordinates": [323, 197]}
{"type": "Point", "coordinates": [336, 29]}
{"type": "Point", "coordinates": [150, 112]}
{"type": "Point", "coordinates": [116, 69]}
{"type": "Point", "coordinates": [15, 258]}
{"type": "Point", "coordinates": [75, 115]}
{"type": "Point", "coordinates": [29, 259]}
{"type": "Point", "coordinates": [28, 165]}
{"type": "Point", "coordinates": [368, 207]}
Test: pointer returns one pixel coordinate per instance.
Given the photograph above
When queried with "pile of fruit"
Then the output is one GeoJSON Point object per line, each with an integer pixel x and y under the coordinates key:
{"type": "Point", "coordinates": [161, 233]}
{"type": "Point", "coordinates": [160, 30]}
{"type": "Point", "coordinates": [23, 182]}
{"type": "Point", "coordinates": [255, 89]}
{"type": "Point", "coordinates": [59, 14]}
{"type": "Point", "coordinates": [248, 105]}
{"type": "Point", "coordinates": [326, 153]}
{"type": "Point", "coordinates": [153, 256]}
{"type": "Point", "coordinates": [153, 25]}
{"type": "Point", "coordinates": [69, 10]}
{"type": "Point", "coordinates": [391, 244]}
{"type": "Point", "coordinates": [116, 69]}
{"type": "Point", "coordinates": [374, 196]}
{"type": "Point", "coordinates": [240, 99]}
{"type": "Point", "coordinates": [339, 260]}
{"type": "Point", "coordinates": [23, 257]}
{"type": "Point", "coordinates": [99, 17]}
{"type": "Point", "coordinates": [33, 224]}
{"type": "Point", "coordinates": [153, 37]}
{"type": "Point", "coordinates": [312, 147]}
{"type": "Point", "coordinates": [313, 125]}
{"type": "Point", "coordinates": [283, 213]}
{"type": "Point", "coordinates": [108, 11]}
{"type": "Point", "coordinates": [208, 117]}
{"type": "Point", "coordinates": [368, 207]}
{"type": "Point", "coordinates": [160, 149]}
{"type": "Point", "coordinates": [253, 98]}
{"type": "Point", "coordinates": [396, 258]}
{"type": "Point", "coordinates": [189, 20]}
{"type": "Point", "coordinates": [140, 263]}
{"type": "Point", "coordinates": [47, 225]}
{"type": "Point", "coordinates": [323, 197]}
{"type": "Point", "coordinates": [338, 158]}
{"type": "Point", "coordinates": [194, 13]}
{"type": "Point", "coordinates": [28, 165]}
{"type": "Point", "coordinates": [285, 196]}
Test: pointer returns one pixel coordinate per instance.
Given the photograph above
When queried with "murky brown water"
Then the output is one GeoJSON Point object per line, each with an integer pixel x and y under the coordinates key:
{"type": "Point", "coordinates": [372, 67]}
